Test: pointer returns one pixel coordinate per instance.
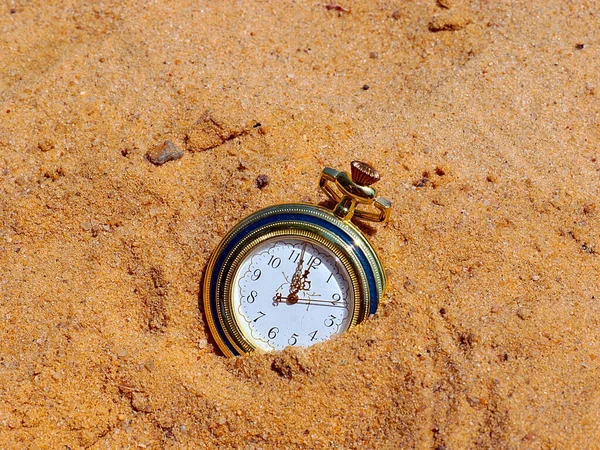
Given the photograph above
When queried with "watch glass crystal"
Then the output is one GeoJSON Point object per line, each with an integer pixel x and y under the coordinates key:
{"type": "Point", "coordinates": [291, 291]}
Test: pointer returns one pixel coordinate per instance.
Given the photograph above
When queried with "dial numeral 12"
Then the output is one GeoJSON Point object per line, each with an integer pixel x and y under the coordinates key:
{"type": "Point", "coordinates": [314, 262]}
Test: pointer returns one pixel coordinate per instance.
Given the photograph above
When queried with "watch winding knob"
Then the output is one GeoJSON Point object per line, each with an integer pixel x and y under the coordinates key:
{"type": "Point", "coordinates": [363, 173]}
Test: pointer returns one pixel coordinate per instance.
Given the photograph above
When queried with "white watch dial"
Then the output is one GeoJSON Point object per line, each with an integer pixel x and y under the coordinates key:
{"type": "Point", "coordinates": [291, 291]}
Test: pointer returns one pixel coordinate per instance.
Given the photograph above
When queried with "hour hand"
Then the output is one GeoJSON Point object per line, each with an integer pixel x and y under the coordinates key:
{"type": "Point", "coordinates": [297, 282]}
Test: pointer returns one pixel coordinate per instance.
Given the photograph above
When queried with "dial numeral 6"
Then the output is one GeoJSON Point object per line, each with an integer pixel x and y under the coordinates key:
{"type": "Point", "coordinates": [273, 333]}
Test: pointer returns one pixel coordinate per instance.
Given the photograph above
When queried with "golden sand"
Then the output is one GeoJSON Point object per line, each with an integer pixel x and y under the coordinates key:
{"type": "Point", "coordinates": [483, 119]}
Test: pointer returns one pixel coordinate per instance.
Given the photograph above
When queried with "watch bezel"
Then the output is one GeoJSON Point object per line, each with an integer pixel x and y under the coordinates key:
{"type": "Point", "coordinates": [290, 230]}
{"type": "Point", "coordinates": [341, 237]}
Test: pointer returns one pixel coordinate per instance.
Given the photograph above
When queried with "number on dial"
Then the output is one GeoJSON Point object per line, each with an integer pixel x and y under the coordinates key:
{"type": "Point", "coordinates": [291, 291]}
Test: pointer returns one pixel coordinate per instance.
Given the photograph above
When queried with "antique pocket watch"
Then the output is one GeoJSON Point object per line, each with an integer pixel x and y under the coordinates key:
{"type": "Point", "coordinates": [297, 274]}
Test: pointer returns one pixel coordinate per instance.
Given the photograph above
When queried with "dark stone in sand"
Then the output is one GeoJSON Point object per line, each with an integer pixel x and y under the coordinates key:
{"type": "Point", "coordinates": [163, 153]}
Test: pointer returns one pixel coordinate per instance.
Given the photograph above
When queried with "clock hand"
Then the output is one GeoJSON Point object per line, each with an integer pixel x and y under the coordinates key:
{"type": "Point", "coordinates": [294, 299]}
{"type": "Point", "coordinates": [281, 298]}
{"type": "Point", "coordinates": [312, 302]}
{"type": "Point", "coordinates": [297, 282]}
{"type": "Point", "coordinates": [305, 280]}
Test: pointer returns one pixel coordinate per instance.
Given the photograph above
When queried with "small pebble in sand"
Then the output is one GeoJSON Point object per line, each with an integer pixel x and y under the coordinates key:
{"type": "Point", "coordinates": [262, 181]}
{"type": "Point", "coordinates": [446, 4]}
{"type": "Point", "coordinates": [524, 313]}
{"type": "Point", "coordinates": [449, 22]}
{"type": "Point", "coordinates": [366, 87]}
{"type": "Point", "coordinates": [336, 7]}
{"type": "Point", "coordinates": [163, 153]}
{"type": "Point", "coordinates": [46, 145]}
{"type": "Point", "coordinates": [409, 286]}
{"type": "Point", "coordinates": [496, 309]}
{"type": "Point", "coordinates": [374, 55]}
{"type": "Point", "coordinates": [589, 209]}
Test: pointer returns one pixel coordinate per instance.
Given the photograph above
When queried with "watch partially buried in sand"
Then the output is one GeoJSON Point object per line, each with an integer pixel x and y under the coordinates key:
{"type": "Point", "coordinates": [297, 274]}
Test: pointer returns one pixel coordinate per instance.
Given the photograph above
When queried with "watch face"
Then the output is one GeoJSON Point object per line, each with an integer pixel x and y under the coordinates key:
{"type": "Point", "coordinates": [291, 291]}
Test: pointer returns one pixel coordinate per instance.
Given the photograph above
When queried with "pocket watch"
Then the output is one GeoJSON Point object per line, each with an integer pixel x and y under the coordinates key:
{"type": "Point", "coordinates": [297, 274]}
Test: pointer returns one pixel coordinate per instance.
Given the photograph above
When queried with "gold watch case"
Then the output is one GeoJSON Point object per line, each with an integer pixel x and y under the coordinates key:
{"type": "Point", "coordinates": [331, 229]}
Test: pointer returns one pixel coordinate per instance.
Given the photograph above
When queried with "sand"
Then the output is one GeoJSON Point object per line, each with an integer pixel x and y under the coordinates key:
{"type": "Point", "coordinates": [483, 119]}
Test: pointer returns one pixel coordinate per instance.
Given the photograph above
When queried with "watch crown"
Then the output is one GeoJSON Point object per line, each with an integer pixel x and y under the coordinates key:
{"type": "Point", "coordinates": [363, 173]}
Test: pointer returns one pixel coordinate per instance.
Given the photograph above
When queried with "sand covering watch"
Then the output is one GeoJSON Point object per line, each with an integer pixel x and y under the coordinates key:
{"type": "Point", "coordinates": [297, 274]}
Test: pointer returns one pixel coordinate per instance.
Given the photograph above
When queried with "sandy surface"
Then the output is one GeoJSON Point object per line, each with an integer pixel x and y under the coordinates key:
{"type": "Point", "coordinates": [484, 120]}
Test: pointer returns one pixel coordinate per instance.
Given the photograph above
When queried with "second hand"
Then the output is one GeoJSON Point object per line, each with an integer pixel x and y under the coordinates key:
{"type": "Point", "coordinates": [281, 299]}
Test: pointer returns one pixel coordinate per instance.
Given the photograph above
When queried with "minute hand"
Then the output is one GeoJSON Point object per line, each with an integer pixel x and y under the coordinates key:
{"type": "Point", "coordinates": [331, 304]}
{"type": "Point", "coordinates": [312, 300]}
